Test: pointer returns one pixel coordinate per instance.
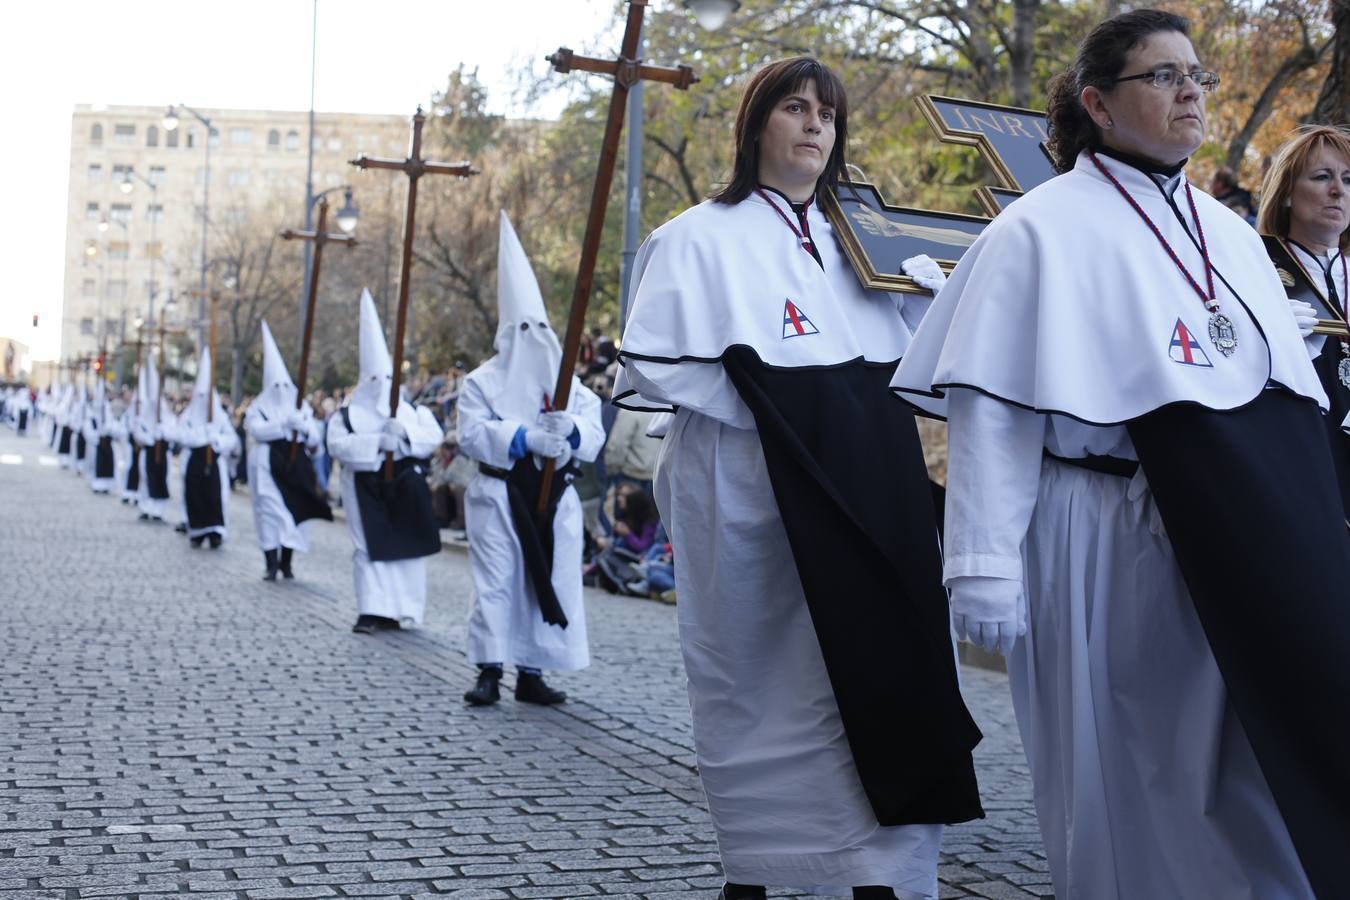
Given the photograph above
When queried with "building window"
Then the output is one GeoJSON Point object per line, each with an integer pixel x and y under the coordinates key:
{"type": "Point", "coordinates": [112, 326]}
{"type": "Point", "coordinates": [335, 144]}
{"type": "Point", "coordinates": [95, 173]}
{"type": "Point", "coordinates": [120, 212]}
{"type": "Point", "coordinates": [274, 140]}
{"type": "Point", "coordinates": [171, 138]}
{"type": "Point", "coordinates": [89, 287]}
{"type": "Point", "coordinates": [191, 138]}
{"type": "Point", "coordinates": [156, 175]}
{"type": "Point", "coordinates": [152, 136]}
{"type": "Point", "coordinates": [121, 174]}
{"type": "Point", "coordinates": [241, 137]}
{"type": "Point", "coordinates": [237, 178]}
{"type": "Point", "coordinates": [117, 289]}
{"type": "Point", "coordinates": [124, 134]}
{"type": "Point", "coordinates": [91, 212]}
{"type": "Point", "coordinates": [215, 137]}
{"type": "Point", "coordinates": [154, 212]}
{"type": "Point", "coordinates": [292, 140]}
{"type": "Point", "coordinates": [154, 249]}
{"type": "Point", "coordinates": [86, 326]}
{"type": "Point", "coordinates": [96, 135]}
{"type": "Point", "coordinates": [117, 249]}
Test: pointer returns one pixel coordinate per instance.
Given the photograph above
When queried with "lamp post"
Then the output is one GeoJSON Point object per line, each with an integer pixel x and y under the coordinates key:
{"type": "Point", "coordinates": [171, 124]}
{"type": "Point", "coordinates": [126, 235]}
{"type": "Point", "coordinates": [711, 15]}
{"type": "Point", "coordinates": [347, 217]}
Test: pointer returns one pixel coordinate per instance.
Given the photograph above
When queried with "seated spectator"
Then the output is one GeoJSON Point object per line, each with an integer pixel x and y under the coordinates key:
{"type": "Point", "coordinates": [637, 528]}
{"type": "Point", "coordinates": [451, 472]}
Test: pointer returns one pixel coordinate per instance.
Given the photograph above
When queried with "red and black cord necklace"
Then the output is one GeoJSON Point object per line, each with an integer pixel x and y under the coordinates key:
{"type": "Point", "coordinates": [802, 234]}
{"type": "Point", "coordinates": [1221, 332]}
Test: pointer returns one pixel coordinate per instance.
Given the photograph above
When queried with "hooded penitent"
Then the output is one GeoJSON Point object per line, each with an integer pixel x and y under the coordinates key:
{"type": "Point", "coordinates": [277, 396]}
{"type": "Point", "coordinates": [204, 397]}
{"type": "Point", "coordinates": [369, 402]}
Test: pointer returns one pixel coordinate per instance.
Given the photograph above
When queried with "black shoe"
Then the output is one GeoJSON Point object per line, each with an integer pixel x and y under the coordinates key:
{"type": "Point", "coordinates": [742, 892]}
{"type": "Point", "coordinates": [197, 541]}
{"type": "Point", "coordinates": [873, 892]}
{"type": "Point", "coordinates": [530, 688]}
{"type": "Point", "coordinates": [144, 517]}
{"type": "Point", "coordinates": [270, 556]}
{"type": "Point", "coordinates": [181, 528]}
{"type": "Point", "coordinates": [487, 690]}
{"type": "Point", "coordinates": [286, 553]}
{"type": "Point", "coordinates": [214, 540]}
{"type": "Point", "coordinates": [366, 624]}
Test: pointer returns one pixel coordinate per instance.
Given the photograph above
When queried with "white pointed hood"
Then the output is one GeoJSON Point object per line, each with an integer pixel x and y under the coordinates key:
{"type": "Point", "coordinates": [277, 396]}
{"type": "Point", "coordinates": [147, 417]}
{"type": "Point", "coordinates": [525, 370]}
{"type": "Point", "coordinates": [377, 369]}
{"type": "Point", "coordinates": [203, 393]}
{"type": "Point", "coordinates": [99, 410]}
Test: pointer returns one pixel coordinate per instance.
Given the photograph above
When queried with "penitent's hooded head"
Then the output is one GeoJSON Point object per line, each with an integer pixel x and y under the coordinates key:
{"type": "Point", "coordinates": [377, 369]}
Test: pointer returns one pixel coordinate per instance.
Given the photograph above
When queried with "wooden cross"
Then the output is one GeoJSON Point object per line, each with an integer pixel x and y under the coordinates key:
{"type": "Point", "coordinates": [627, 71]}
{"type": "Point", "coordinates": [320, 237]}
{"type": "Point", "coordinates": [212, 298]}
{"type": "Point", "coordinates": [414, 167]}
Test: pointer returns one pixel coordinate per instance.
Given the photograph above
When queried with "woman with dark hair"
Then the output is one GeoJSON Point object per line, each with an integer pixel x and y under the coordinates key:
{"type": "Point", "coordinates": [832, 740]}
{"type": "Point", "coordinates": [1139, 480]}
{"type": "Point", "coordinates": [1305, 202]}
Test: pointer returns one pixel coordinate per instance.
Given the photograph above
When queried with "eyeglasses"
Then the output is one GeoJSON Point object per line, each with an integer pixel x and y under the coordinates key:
{"type": "Point", "coordinates": [1172, 78]}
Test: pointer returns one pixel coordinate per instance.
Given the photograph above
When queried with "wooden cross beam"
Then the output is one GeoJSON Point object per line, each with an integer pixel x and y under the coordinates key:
{"type": "Point", "coordinates": [320, 237]}
{"type": "Point", "coordinates": [627, 70]}
{"type": "Point", "coordinates": [414, 167]}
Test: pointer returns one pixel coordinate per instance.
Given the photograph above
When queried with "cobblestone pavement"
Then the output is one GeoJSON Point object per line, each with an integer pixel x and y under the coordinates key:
{"type": "Point", "coordinates": [172, 725]}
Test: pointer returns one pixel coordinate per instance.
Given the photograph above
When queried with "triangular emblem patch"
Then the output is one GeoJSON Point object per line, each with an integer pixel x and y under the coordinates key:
{"type": "Point", "coordinates": [1185, 349]}
{"type": "Point", "coordinates": [795, 322]}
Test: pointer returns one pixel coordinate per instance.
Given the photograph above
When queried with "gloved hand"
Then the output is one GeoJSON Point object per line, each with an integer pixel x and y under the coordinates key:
{"type": "Point", "coordinates": [566, 456]}
{"type": "Point", "coordinates": [395, 428]}
{"type": "Point", "coordinates": [559, 423]}
{"type": "Point", "coordinates": [1304, 315]}
{"type": "Point", "coordinates": [989, 612]}
{"type": "Point", "coordinates": [925, 272]}
{"type": "Point", "coordinates": [388, 443]}
{"type": "Point", "coordinates": [217, 444]}
{"type": "Point", "coordinates": [544, 443]}
{"type": "Point", "coordinates": [296, 421]}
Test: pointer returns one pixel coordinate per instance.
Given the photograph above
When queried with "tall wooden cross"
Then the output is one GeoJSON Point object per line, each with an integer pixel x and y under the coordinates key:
{"type": "Point", "coordinates": [414, 167]}
{"type": "Point", "coordinates": [627, 71]}
{"type": "Point", "coordinates": [320, 237]}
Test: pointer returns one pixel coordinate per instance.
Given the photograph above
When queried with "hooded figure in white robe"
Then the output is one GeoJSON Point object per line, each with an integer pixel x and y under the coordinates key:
{"type": "Point", "coordinates": [21, 410]}
{"type": "Point", "coordinates": [100, 434]}
{"type": "Point", "coordinates": [63, 441]}
{"type": "Point", "coordinates": [281, 479]}
{"type": "Point", "coordinates": [1156, 510]}
{"type": "Point", "coordinates": [75, 412]}
{"type": "Point", "coordinates": [390, 518]}
{"type": "Point", "coordinates": [204, 430]}
{"type": "Point", "coordinates": [154, 427]}
{"type": "Point", "coordinates": [129, 476]}
{"type": "Point", "coordinates": [527, 609]}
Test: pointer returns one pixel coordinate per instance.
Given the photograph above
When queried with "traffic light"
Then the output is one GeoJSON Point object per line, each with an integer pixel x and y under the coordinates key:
{"type": "Point", "coordinates": [35, 318]}
{"type": "Point", "coordinates": [98, 364]}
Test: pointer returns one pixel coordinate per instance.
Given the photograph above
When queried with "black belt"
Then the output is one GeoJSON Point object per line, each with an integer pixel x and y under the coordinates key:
{"type": "Point", "coordinates": [493, 471]}
{"type": "Point", "coordinates": [1105, 465]}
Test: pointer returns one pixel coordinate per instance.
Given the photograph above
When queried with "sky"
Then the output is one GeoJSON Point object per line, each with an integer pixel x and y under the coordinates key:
{"type": "Point", "coordinates": [374, 56]}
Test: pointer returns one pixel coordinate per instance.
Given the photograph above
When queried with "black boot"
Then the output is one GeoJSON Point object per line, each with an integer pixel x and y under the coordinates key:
{"type": "Point", "coordinates": [530, 688]}
{"type": "Point", "coordinates": [286, 553]}
{"type": "Point", "coordinates": [873, 892]}
{"type": "Point", "coordinates": [368, 624]}
{"type": "Point", "coordinates": [271, 557]}
{"type": "Point", "coordinates": [181, 528]}
{"type": "Point", "coordinates": [214, 540]}
{"type": "Point", "coordinates": [741, 892]}
{"type": "Point", "coordinates": [487, 690]}
{"type": "Point", "coordinates": [197, 541]}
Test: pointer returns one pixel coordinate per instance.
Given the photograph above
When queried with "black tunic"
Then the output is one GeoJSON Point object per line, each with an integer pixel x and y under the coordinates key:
{"type": "Point", "coordinates": [104, 461]}
{"type": "Point", "coordinates": [297, 482]}
{"type": "Point", "coordinates": [201, 491]}
{"type": "Point", "coordinates": [63, 448]}
{"type": "Point", "coordinates": [134, 470]}
{"type": "Point", "coordinates": [396, 515]}
{"type": "Point", "coordinates": [1250, 504]}
{"type": "Point", "coordinates": [847, 471]}
{"type": "Point", "coordinates": [157, 470]}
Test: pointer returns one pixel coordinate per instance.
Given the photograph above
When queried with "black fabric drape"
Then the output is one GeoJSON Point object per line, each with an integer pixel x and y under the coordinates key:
{"type": "Point", "coordinates": [23, 421]}
{"type": "Point", "coordinates": [157, 470]}
{"type": "Point", "coordinates": [133, 483]}
{"type": "Point", "coordinates": [63, 448]}
{"type": "Point", "coordinates": [298, 483]}
{"type": "Point", "coordinates": [81, 447]}
{"type": "Point", "coordinates": [105, 463]}
{"type": "Point", "coordinates": [201, 490]}
{"type": "Point", "coordinates": [523, 483]}
{"type": "Point", "coordinates": [1250, 504]}
{"type": "Point", "coordinates": [396, 515]}
{"type": "Point", "coordinates": [847, 471]}
{"type": "Point", "coordinates": [1327, 365]}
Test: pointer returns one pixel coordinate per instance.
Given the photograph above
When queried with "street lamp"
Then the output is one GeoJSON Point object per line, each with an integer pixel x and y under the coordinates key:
{"type": "Point", "coordinates": [171, 122]}
{"type": "Point", "coordinates": [712, 14]}
{"type": "Point", "coordinates": [349, 214]}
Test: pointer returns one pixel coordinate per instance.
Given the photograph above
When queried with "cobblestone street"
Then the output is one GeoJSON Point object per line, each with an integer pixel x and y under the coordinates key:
{"type": "Point", "coordinates": [171, 725]}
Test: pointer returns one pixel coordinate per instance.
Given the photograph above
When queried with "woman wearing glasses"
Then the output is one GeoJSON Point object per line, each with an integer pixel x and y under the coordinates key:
{"type": "Point", "coordinates": [1140, 503]}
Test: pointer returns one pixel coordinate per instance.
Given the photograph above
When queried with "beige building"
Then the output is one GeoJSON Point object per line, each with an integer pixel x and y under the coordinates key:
{"type": "Point", "coordinates": [127, 243]}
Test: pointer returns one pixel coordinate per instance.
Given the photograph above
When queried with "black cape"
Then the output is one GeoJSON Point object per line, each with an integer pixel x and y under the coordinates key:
{"type": "Point", "coordinates": [63, 448]}
{"type": "Point", "coordinates": [133, 483]}
{"type": "Point", "coordinates": [23, 421]}
{"type": "Point", "coordinates": [105, 464]}
{"type": "Point", "coordinates": [535, 533]}
{"type": "Point", "coordinates": [847, 471]}
{"type": "Point", "coordinates": [157, 470]}
{"type": "Point", "coordinates": [1250, 504]}
{"type": "Point", "coordinates": [201, 490]}
{"type": "Point", "coordinates": [396, 515]}
{"type": "Point", "coordinates": [80, 445]}
{"type": "Point", "coordinates": [297, 482]}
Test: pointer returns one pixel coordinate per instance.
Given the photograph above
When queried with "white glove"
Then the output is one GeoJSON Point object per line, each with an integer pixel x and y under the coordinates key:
{"type": "Point", "coordinates": [989, 612]}
{"type": "Point", "coordinates": [218, 445]}
{"type": "Point", "coordinates": [925, 272]}
{"type": "Point", "coordinates": [566, 456]}
{"type": "Point", "coordinates": [559, 423]}
{"type": "Point", "coordinates": [544, 443]}
{"type": "Point", "coordinates": [1304, 315]}
{"type": "Point", "coordinates": [295, 420]}
{"type": "Point", "coordinates": [396, 428]}
{"type": "Point", "coordinates": [388, 443]}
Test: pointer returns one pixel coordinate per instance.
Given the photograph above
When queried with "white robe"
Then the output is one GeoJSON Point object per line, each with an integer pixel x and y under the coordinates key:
{"type": "Point", "coordinates": [505, 625]}
{"type": "Point", "coordinates": [273, 521]}
{"type": "Point", "coordinates": [220, 436]}
{"type": "Point", "coordinates": [395, 590]}
{"type": "Point", "coordinates": [1145, 783]}
{"type": "Point", "coordinates": [94, 432]}
{"type": "Point", "coordinates": [782, 788]}
{"type": "Point", "coordinates": [146, 434]}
